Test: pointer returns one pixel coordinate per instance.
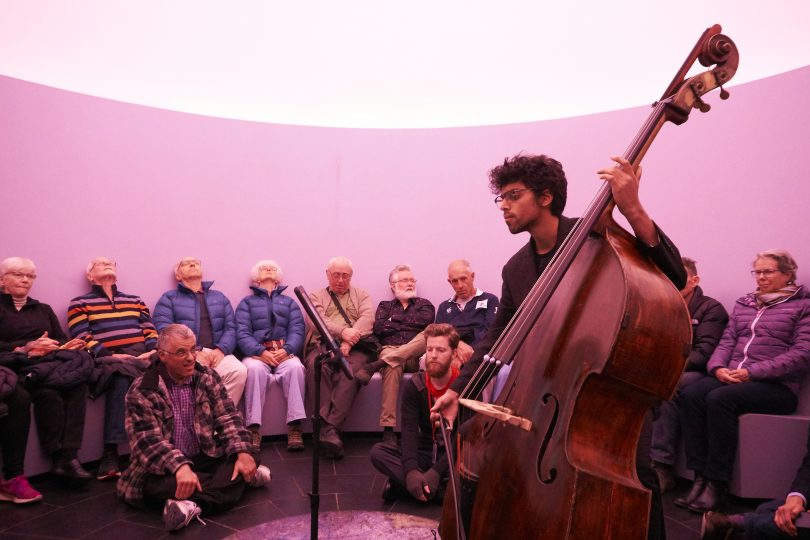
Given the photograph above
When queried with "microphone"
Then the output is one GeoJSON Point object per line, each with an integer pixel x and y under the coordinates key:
{"type": "Point", "coordinates": [336, 356]}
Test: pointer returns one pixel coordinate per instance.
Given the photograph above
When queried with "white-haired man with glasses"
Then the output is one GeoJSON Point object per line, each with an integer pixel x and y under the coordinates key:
{"type": "Point", "coordinates": [270, 331]}
{"type": "Point", "coordinates": [118, 331]}
{"type": "Point", "coordinates": [190, 449]}
{"type": "Point", "coordinates": [397, 324]}
{"type": "Point", "coordinates": [348, 312]}
{"type": "Point", "coordinates": [209, 314]}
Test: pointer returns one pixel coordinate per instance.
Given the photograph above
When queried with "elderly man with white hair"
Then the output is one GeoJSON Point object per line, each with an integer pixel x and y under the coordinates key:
{"type": "Point", "coordinates": [270, 331]}
{"type": "Point", "coordinates": [348, 312]}
{"type": "Point", "coordinates": [32, 338]}
{"type": "Point", "coordinates": [115, 326]}
{"type": "Point", "coordinates": [210, 316]}
{"type": "Point", "coordinates": [397, 324]}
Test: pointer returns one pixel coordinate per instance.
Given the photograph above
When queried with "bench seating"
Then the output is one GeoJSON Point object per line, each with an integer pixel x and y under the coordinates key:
{"type": "Point", "coordinates": [364, 417]}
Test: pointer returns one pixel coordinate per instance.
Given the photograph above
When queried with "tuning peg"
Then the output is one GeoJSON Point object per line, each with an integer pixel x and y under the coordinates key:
{"type": "Point", "coordinates": [701, 105]}
{"type": "Point", "coordinates": [723, 93]}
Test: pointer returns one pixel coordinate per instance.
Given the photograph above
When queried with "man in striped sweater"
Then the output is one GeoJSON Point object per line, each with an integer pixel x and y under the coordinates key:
{"type": "Point", "coordinates": [116, 327]}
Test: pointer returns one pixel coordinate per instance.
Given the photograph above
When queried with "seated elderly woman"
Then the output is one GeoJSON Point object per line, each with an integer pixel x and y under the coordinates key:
{"type": "Point", "coordinates": [270, 332]}
{"type": "Point", "coordinates": [756, 368]}
{"type": "Point", "coordinates": [52, 369]}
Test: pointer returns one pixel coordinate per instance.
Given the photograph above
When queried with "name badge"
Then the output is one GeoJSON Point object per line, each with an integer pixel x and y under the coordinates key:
{"type": "Point", "coordinates": [481, 304]}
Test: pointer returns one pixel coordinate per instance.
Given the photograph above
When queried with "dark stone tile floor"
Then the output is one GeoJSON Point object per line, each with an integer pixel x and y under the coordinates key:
{"type": "Point", "coordinates": [92, 511]}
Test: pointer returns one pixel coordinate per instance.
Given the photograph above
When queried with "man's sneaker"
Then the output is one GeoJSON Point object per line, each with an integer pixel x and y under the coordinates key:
{"type": "Point", "coordinates": [261, 478]}
{"type": "Point", "coordinates": [295, 442]}
{"type": "Point", "coordinates": [178, 514]}
{"type": "Point", "coordinates": [108, 467]}
{"type": "Point", "coordinates": [19, 491]}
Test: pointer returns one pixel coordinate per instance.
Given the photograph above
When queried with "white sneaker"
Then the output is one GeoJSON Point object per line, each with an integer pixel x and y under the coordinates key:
{"type": "Point", "coordinates": [178, 514]}
{"type": "Point", "coordinates": [262, 477]}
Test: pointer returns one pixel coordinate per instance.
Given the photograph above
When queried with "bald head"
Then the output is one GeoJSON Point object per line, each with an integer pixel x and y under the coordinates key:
{"type": "Point", "coordinates": [461, 277]}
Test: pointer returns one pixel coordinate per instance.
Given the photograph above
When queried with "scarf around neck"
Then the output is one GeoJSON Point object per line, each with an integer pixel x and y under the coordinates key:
{"type": "Point", "coordinates": [769, 298]}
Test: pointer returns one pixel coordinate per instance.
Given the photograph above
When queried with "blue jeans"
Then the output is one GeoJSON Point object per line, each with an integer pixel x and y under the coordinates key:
{"type": "Point", "coordinates": [114, 409]}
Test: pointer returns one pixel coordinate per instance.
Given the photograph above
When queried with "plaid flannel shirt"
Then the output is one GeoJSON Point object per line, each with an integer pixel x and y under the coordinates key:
{"type": "Point", "coordinates": [149, 422]}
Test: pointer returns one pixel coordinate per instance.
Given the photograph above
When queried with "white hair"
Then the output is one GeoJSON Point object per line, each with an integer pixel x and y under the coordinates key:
{"type": "Point", "coordinates": [339, 261]}
{"type": "Point", "coordinates": [254, 272]}
{"type": "Point", "coordinates": [174, 331]}
{"type": "Point", "coordinates": [177, 264]}
{"type": "Point", "coordinates": [398, 268]}
{"type": "Point", "coordinates": [15, 262]}
{"type": "Point", "coordinates": [460, 262]}
{"type": "Point", "coordinates": [93, 262]}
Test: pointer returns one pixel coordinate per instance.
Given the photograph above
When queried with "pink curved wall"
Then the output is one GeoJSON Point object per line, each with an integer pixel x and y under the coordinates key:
{"type": "Point", "coordinates": [84, 176]}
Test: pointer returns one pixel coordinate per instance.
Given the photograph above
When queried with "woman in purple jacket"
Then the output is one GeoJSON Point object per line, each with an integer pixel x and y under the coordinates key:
{"type": "Point", "coordinates": [756, 368]}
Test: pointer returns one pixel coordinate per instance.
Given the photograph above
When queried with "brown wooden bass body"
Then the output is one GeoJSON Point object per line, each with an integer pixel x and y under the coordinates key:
{"type": "Point", "coordinates": [582, 380]}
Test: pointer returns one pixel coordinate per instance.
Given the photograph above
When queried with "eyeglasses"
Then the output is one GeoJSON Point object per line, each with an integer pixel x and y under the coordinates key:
{"type": "Point", "coordinates": [22, 275]}
{"type": "Point", "coordinates": [340, 275]}
{"type": "Point", "coordinates": [268, 269]}
{"type": "Point", "coordinates": [182, 353]}
{"type": "Point", "coordinates": [110, 264]}
{"type": "Point", "coordinates": [767, 272]}
{"type": "Point", "coordinates": [510, 196]}
{"type": "Point", "coordinates": [406, 280]}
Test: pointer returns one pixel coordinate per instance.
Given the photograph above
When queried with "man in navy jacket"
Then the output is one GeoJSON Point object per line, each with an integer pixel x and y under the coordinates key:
{"type": "Point", "coordinates": [210, 316]}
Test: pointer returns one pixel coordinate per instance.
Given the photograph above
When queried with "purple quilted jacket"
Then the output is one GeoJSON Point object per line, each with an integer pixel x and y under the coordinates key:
{"type": "Point", "coordinates": [772, 343]}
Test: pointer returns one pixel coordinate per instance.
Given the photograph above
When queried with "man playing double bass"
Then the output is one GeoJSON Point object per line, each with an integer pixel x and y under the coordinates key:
{"type": "Point", "coordinates": [531, 194]}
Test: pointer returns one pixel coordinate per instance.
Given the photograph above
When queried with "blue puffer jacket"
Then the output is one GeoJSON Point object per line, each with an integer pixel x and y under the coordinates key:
{"type": "Point", "coordinates": [772, 342]}
{"type": "Point", "coordinates": [180, 306]}
{"type": "Point", "coordinates": [264, 316]}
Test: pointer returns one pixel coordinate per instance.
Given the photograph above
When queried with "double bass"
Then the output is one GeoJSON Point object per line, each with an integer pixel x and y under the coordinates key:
{"type": "Point", "coordinates": [601, 337]}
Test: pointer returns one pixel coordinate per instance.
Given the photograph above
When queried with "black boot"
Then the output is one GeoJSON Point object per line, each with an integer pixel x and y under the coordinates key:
{"type": "Point", "coordinates": [666, 478]}
{"type": "Point", "coordinates": [697, 488]}
{"type": "Point", "coordinates": [712, 498]}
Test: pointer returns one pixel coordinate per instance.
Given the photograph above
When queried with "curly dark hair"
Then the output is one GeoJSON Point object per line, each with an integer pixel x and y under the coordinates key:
{"type": "Point", "coordinates": [540, 173]}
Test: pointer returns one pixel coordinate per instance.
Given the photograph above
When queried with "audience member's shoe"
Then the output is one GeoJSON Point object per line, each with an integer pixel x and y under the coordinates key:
{"type": "Point", "coordinates": [666, 478]}
{"type": "Point", "coordinates": [363, 374]}
{"type": "Point", "coordinates": [71, 468]}
{"type": "Point", "coordinates": [261, 478]}
{"type": "Point", "coordinates": [715, 526]}
{"type": "Point", "coordinates": [178, 514]}
{"type": "Point", "coordinates": [697, 488]}
{"type": "Point", "coordinates": [255, 437]}
{"type": "Point", "coordinates": [330, 440]}
{"type": "Point", "coordinates": [295, 442]}
{"type": "Point", "coordinates": [19, 491]}
{"type": "Point", "coordinates": [108, 467]}
{"type": "Point", "coordinates": [390, 438]}
{"type": "Point", "coordinates": [390, 491]}
{"type": "Point", "coordinates": [712, 498]}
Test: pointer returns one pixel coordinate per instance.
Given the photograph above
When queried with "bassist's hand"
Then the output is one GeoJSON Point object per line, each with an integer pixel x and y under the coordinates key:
{"type": "Point", "coordinates": [447, 406]}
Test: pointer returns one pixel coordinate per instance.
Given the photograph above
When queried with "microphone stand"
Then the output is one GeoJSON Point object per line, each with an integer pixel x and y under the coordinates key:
{"type": "Point", "coordinates": [329, 352]}
{"type": "Point", "coordinates": [314, 495]}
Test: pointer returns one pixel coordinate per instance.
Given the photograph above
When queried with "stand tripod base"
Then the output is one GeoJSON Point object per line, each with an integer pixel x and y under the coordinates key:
{"type": "Point", "coordinates": [343, 525]}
